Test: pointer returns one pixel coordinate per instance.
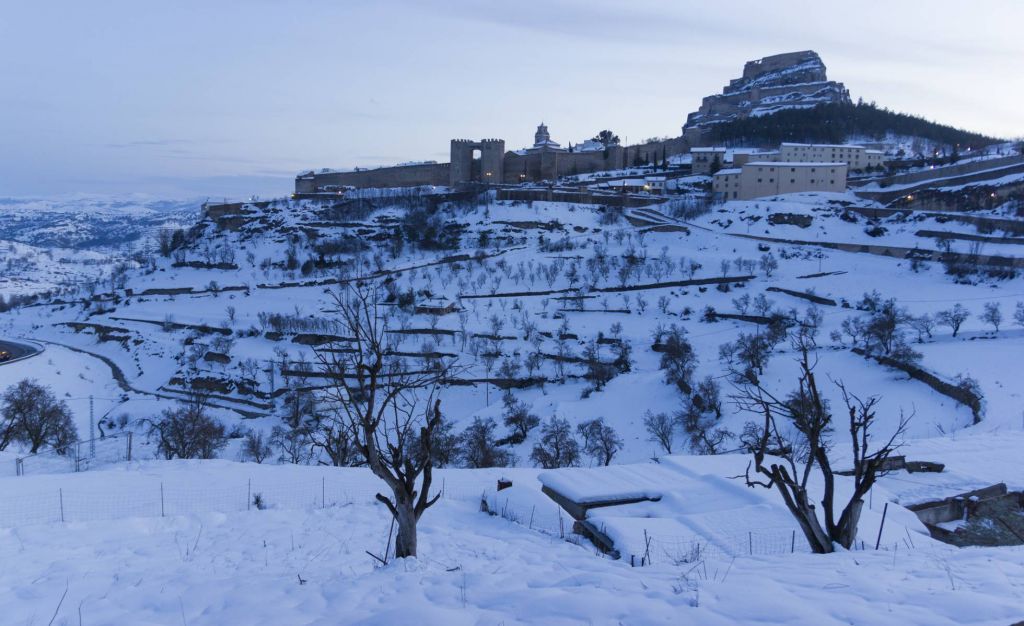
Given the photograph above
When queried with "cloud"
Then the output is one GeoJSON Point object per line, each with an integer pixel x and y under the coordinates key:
{"type": "Point", "coordinates": [151, 143]}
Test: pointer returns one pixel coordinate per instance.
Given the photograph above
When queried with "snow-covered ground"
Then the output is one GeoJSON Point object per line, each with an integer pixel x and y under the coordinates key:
{"type": "Point", "coordinates": [26, 270]}
{"type": "Point", "coordinates": [212, 560]}
{"type": "Point", "coordinates": [308, 565]}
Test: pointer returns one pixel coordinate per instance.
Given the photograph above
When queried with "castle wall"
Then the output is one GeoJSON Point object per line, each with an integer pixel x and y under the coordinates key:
{"type": "Point", "coordinates": [753, 69]}
{"type": "Point", "coordinates": [399, 176]}
{"type": "Point", "coordinates": [550, 164]}
{"type": "Point", "coordinates": [495, 166]}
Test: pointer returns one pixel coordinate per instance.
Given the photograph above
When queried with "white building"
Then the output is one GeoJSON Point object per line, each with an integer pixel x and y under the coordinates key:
{"type": "Point", "coordinates": [759, 179]}
{"type": "Point", "coordinates": [857, 157]}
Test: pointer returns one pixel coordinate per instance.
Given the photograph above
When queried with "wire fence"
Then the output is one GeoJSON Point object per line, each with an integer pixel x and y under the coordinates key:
{"type": "Point", "coordinates": [145, 496]}
{"type": "Point", "coordinates": [78, 457]}
{"type": "Point", "coordinates": [142, 496]}
{"type": "Point", "coordinates": [693, 549]}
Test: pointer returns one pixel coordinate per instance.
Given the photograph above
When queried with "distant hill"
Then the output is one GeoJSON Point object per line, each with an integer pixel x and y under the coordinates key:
{"type": "Point", "coordinates": [834, 123]}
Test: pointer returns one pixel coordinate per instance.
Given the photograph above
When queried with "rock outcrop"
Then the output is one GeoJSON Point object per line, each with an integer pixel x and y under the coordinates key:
{"type": "Point", "coordinates": [782, 81]}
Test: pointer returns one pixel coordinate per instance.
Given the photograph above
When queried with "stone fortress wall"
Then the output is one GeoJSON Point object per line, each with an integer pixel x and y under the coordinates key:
{"type": "Point", "coordinates": [487, 162]}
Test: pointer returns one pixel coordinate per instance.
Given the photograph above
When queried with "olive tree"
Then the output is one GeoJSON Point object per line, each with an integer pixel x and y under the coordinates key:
{"type": "Point", "coordinates": [31, 414]}
{"type": "Point", "coordinates": [390, 411]}
{"type": "Point", "coordinates": [795, 438]}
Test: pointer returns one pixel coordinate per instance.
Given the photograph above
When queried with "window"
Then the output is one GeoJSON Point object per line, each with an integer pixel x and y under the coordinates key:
{"type": "Point", "coordinates": [812, 181]}
{"type": "Point", "coordinates": [831, 182]}
{"type": "Point", "coordinates": [758, 180]}
{"type": "Point", "coordinates": [792, 169]}
{"type": "Point", "coordinates": [771, 180]}
{"type": "Point", "coordinates": [792, 181]}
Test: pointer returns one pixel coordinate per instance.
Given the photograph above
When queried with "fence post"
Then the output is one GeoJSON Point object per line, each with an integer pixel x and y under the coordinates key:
{"type": "Point", "coordinates": [161, 499]}
{"type": "Point", "coordinates": [60, 495]}
{"type": "Point", "coordinates": [750, 541]}
{"type": "Point", "coordinates": [882, 525]}
{"type": "Point", "coordinates": [129, 445]}
{"type": "Point", "coordinates": [248, 496]}
{"type": "Point", "coordinates": [792, 543]}
{"type": "Point", "coordinates": [323, 492]}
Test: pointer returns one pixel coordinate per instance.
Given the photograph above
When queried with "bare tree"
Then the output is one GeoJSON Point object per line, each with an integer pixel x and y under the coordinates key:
{"type": "Point", "coordinates": [795, 438]}
{"type": "Point", "coordinates": [32, 414]}
{"type": "Point", "coordinates": [519, 419]}
{"type": "Point", "coordinates": [660, 429]}
{"type": "Point", "coordinates": [992, 315]}
{"type": "Point", "coordinates": [389, 412]}
{"type": "Point", "coordinates": [255, 447]}
{"type": "Point", "coordinates": [187, 431]}
{"type": "Point", "coordinates": [478, 446]}
{"type": "Point", "coordinates": [600, 441]}
{"type": "Point", "coordinates": [924, 325]}
{"type": "Point", "coordinates": [678, 358]}
{"type": "Point", "coordinates": [557, 447]}
{"type": "Point", "coordinates": [294, 443]}
{"type": "Point", "coordinates": [700, 418]}
{"type": "Point", "coordinates": [953, 318]}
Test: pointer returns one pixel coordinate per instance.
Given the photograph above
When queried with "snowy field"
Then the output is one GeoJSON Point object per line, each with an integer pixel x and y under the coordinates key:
{"type": "Point", "coordinates": [309, 566]}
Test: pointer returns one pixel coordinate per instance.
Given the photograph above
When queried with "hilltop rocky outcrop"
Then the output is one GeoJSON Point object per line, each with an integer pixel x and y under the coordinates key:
{"type": "Point", "coordinates": [782, 81]}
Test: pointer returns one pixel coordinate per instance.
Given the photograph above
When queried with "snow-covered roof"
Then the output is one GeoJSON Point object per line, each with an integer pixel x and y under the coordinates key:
{"type": "Point", "coordinates": [822, 145]}
{"type": "Point", "coordinates": [708, 149]}
{"type": "Point", "coordinates": [589, 145]}
{"type": "Point", "coordinates": [731, 170]}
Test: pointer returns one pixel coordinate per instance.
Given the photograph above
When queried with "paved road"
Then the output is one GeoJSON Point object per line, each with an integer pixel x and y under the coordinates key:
{"type": "Point", "coordinates": [18, 351]}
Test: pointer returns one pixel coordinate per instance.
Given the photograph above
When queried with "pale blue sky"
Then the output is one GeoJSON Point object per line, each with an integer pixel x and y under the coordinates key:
{"type": "Point", "coordinates": [224, 97]}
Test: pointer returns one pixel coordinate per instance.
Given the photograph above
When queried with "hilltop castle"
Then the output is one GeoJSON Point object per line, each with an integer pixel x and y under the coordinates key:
{"type": "Point", "coordinates": [791, 80]}
{"type": "Point", "coordinates": [782, 81]}
{"type": "Point", "coordinates": [486, 161]}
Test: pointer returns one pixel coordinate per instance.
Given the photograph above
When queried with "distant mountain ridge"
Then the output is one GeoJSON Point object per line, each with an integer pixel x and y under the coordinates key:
{"type": "Point", "coordinates": [90, 222]}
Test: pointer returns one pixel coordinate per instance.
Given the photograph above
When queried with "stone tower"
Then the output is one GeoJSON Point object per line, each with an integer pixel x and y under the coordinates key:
{"type": "Point", "coordinates": [490, 169]}
{"type": "Point", "coordinates": [542, 136]}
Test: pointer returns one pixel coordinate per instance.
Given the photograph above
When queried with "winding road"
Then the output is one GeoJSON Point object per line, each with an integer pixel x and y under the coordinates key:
{"type": "Point", "coordinates": [18, 351]}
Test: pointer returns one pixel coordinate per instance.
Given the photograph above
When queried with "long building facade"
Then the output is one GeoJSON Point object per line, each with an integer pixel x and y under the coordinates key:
{"type": "Point", "coordinates": [759, 179]}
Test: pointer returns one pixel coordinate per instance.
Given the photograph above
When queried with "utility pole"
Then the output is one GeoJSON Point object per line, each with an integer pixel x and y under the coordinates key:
{"type": "Point", "coordinates": [92, 430]}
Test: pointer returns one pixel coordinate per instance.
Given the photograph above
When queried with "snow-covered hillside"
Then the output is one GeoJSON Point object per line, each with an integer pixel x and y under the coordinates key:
{"type": "Point", "coordinates": [633, 271]}
{"type": "Point", "coordinates": [561, 310]}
